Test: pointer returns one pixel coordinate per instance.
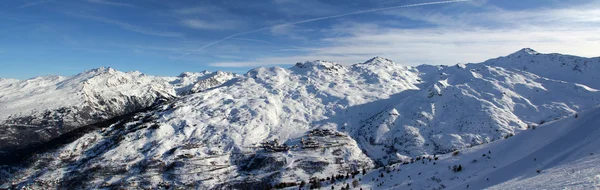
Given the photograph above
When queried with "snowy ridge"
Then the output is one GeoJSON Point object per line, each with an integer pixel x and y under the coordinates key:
{"type": "Point", "coordinates": [53, 92]}
{"type": "Point", "coordinates": [190, 82]}
{"type": "Point", "coordinates": [366, 115]}
{"type": "Point", "coordinates": [52, 105]}
{"type": "Point", "coordinates": [555, 66]}
{"type": "Point", "coordinates": [213, 80]}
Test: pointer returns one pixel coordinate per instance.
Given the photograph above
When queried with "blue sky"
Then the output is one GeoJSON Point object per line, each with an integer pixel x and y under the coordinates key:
{"type": "Point", "coordinates": [159, 37]}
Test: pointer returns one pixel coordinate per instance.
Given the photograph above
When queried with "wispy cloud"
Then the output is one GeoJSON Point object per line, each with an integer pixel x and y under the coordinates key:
{"type": "Point", "coordinates": [326, 18]}
{"type": "Point", "coordinates": [206, 10]}
{"type": "Point", "coordinates": [278, 45]}
{"type": "Point", "coordinates": [34, 3]}
{"type": "Point", "coordinates": [208, 17]}
{"type": "Point", "coordinates": [111, 3]}
{"type": "Point", "coordinates": [294, 32]}
{"type": "Point", "coordinates": [466, 37]}
{"type": "Point", "coordinates": [134, 28]}
{"type": "Point", "coordinates": [296, 8]}
{"type": "Point", "coordinates": [496, 17]}
{"type": "Point", "coordinates": [206, 25]}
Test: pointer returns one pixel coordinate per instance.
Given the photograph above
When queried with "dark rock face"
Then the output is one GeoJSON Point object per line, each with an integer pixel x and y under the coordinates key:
{"type": "Point", "coordinates": [312, 167]}
{"type": "Point", "coordinates": [265, 162]}
{"type": "Point", "coordinates": [26, 130]}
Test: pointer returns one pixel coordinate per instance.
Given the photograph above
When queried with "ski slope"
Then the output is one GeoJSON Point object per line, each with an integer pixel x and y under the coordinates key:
{"type": "Point", "coordinates": [566, 152]}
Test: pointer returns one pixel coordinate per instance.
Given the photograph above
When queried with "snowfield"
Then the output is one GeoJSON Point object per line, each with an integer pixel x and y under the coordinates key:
{"type": "Point", "coordinates": [278, 127]}
{"type": "Point", "coordinates": [565, 152]}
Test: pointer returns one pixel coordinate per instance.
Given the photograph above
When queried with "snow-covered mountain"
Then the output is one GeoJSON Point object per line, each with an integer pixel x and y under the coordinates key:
{"type": "Point", "coordinates": [555, 66]}
{"type": "Point", "coordinates": [466, 105]}
{"type": "Point", "coordinates": [41, 108]}
{"type": "Point", "coordinates": [561, 154]}
{"type": "Point", "coordinates": [317, 119]}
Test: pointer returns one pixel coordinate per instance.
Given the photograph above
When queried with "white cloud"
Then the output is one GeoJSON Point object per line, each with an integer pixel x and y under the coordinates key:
{"type": "Point", "coordinates": [467, 37]}
{"type": "Point", "coordinates": [111, 3]}
{"type": "Point", "coordinates": [207, 17]}
{"type": "Point", "coordinates": [205, 25]}
{"type": "Point", "coordinates": [331, 17]}
{"type": "Point", "coordinates": [572, 16]}
{"type": "Point", "coordinates": [290, 31]}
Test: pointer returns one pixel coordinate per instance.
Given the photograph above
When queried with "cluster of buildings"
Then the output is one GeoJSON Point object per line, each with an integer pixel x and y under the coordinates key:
{"type": "Point", "coordinates": [305, 143]}
{"type": "Point", "coordinates": [325, 133]}
{"type": "Point", "coordinates": [275, 146]}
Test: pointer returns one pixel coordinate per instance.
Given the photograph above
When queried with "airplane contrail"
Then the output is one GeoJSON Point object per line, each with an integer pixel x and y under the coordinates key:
{"type": "Point", "coordinates": [324, 18]}
{"type": "Point", "coordinates": [275, 44]}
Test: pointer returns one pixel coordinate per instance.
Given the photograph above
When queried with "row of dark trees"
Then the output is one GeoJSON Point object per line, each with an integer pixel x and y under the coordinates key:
{"type": "Point", "coordinates": [316, 183]}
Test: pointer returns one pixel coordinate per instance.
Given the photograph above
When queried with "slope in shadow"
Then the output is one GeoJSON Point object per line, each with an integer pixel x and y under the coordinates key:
{"type": "Point", "coordinates": [20, 155]}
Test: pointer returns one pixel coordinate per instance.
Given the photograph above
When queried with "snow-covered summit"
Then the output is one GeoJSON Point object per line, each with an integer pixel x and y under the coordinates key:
{"type": "Point", "coordinates": [524, 52]}
{"type": "Point", "coordinates": [52, 92]}
{"type": "Point", "coordinates": [379, 61]}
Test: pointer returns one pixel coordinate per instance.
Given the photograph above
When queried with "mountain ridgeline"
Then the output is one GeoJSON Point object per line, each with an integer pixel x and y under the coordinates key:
{"type": "Point", "coordinates": [273, 126]}
{"type": "Point", "coordinates": [37, 110]}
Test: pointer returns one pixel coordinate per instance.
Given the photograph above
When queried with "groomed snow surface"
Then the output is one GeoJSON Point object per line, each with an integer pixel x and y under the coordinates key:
{"type": "Point", "coordinates": [518, 110]}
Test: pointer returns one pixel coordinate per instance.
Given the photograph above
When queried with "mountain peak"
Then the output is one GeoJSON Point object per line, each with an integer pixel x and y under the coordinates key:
{"type": "Point", "coordinates": [378, 60]}
{"type": "Point", "coordinates": [318, 66]}
{"type": "Point", "coordinates": [525, 51]}
{"type": "Point", "coordinates": [100, 70]}
{"type": "Point", "coordinates": [185, 74]}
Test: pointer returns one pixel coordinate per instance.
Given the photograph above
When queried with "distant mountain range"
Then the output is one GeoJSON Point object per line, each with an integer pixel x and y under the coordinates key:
{"type": "Point", "coordinates": [277, 127]}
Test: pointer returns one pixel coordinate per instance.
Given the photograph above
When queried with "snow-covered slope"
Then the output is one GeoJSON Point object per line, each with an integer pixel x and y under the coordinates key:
{"type": "Point", "coordinates": [563, 154]}
{"type": "Point", "coordinates": [189, 82]}
{"type": "Point", "coordinates": [359, 116]}
{"type": "Point", "coordinates": [462, 106]}
{"type": "Point", "coordinates": [42, 108]}
{"type": "Point", "coordinates": [555, 66]}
